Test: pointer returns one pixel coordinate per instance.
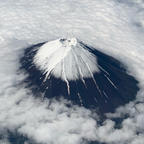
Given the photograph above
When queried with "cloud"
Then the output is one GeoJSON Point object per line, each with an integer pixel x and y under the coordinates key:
{"type": "Point", "coordinates": [4, 141]}
{"type": "Point", "coordinates": [106, 25]}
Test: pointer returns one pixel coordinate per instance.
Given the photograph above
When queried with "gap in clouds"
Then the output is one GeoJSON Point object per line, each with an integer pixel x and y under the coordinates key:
{"type": "Point", "coordinates": [16, 138]}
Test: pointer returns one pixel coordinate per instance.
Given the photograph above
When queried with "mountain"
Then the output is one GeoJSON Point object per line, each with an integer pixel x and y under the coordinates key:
{"type": "Point", "coordinates": [70, 69]}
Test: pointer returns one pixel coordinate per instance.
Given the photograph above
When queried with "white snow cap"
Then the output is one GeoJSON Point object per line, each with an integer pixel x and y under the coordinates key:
{"type": "Point", "coordinates": [66, 58]}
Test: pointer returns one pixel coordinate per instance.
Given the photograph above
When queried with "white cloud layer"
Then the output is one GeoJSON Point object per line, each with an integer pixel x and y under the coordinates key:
{"type": "Point", "coordinates": [113, 26]}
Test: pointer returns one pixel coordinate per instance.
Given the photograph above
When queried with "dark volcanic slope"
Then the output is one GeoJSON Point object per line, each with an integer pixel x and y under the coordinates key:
{"type": "Point", "coordinates": [107, 90]}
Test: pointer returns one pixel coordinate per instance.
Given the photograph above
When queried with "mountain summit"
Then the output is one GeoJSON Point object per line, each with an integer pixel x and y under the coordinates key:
{"type": "Point", "coordinates": [66, 59]}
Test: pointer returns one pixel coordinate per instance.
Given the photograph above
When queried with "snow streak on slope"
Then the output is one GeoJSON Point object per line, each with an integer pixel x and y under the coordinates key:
{"type": "Point", "coordinates": [65, 59]}
{"type": "Point", "coordinates": [113, 26]}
